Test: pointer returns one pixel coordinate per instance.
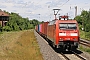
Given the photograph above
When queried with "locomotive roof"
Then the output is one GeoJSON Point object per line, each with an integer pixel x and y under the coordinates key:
{"type": "Point", "coordinates": [67, 21]}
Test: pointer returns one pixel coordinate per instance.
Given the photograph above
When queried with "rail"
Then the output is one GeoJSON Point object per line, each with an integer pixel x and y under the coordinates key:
{"type": "Point", "coordinates": [64, 56]}
{"type": "Point", "coordinates": [82, 58]}
{"type": "Point", "coordinates": [84, 43]}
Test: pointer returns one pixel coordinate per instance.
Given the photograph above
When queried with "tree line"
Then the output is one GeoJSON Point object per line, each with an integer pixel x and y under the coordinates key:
{"type": "Point", "coordinates": [16, 23]}
{"type": "Point", "coordinates": [84, 22]}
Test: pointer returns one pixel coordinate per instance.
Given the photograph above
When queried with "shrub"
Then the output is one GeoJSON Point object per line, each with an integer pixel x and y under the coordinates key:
{"type": "Point", "coordinates": [6, 28]}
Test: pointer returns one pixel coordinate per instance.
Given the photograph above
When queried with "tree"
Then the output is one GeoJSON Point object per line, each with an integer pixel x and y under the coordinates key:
{"type": "Point", "coordinates": [79, 19]}
{"type": "Point", "coordinates": [84, 20]}
{"type": "Point", "coordinates": [16, 22]}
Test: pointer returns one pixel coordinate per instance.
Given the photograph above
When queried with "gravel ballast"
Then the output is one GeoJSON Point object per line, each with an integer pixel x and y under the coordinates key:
{"type": "Point", "coordinates": [47, 52]}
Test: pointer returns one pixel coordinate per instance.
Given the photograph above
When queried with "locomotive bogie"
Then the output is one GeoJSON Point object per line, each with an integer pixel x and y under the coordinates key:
{"type": "Point", "coordinates": [68, 45]}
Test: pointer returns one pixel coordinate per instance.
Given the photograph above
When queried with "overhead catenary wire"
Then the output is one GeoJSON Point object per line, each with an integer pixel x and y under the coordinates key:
{"type": "Point", "coordinates": [65, 3]}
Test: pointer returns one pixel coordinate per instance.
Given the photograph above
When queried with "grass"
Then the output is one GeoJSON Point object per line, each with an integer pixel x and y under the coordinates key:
{"type": "Point", "coordinates": [83, 48]}
{"type": "Point", "coordinates": [84, 35]}
{"type": "Point", "coordinates": [1, 32]}
{"type": "Point", "coordinates": [21, 45]}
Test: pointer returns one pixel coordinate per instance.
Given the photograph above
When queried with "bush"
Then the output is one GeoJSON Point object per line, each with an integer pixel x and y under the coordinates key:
{"type": "Point", "coordinates": [31, 26]}
{"type": "Point", "coordinates": [6, 28]}
{"type": "Point", "coordinates": [87, 34]}
{"type": "Point", "coordinates": [87, 27]}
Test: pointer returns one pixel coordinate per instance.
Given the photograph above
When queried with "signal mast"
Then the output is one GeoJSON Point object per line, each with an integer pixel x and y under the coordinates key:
{"type": "Point", "coordinates": [56, 12]}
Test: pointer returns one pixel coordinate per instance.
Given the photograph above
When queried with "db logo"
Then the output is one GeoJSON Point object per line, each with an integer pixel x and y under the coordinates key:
{"type": "Point", "coordinates": [67, 34]}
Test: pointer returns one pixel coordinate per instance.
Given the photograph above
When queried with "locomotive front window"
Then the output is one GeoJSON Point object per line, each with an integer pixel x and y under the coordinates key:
{"type": "Point", "coordinates": [67, 26]}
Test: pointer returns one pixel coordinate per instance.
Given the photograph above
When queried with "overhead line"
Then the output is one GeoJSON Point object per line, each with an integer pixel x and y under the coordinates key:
{"type": "Point", "coordinates": [65, 3]}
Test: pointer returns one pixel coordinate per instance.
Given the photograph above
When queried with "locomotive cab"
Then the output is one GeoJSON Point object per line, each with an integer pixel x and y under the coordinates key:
{"type": "Point", "coordinates": [63, 34]}
{"type": "Point", "coordinates": [68, 34]}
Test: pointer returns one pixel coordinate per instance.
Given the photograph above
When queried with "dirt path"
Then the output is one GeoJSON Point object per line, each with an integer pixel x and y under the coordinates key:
{"type": "Point", "coordinates": [19, 46]}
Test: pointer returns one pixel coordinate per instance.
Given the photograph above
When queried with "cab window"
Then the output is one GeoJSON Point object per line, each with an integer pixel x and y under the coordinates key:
{"type": "Point", "coordinates": [67, 26]}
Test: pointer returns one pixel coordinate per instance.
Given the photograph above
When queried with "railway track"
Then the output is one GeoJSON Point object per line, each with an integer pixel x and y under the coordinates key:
{"type": "Point", "coordinates": [72, 56]}
{"type": "Point", "coordinates": [84, 43]}
{"type": "Point", "coordinates": [64, 56]}
{"type": "Point", "coordinates": [82, 58]}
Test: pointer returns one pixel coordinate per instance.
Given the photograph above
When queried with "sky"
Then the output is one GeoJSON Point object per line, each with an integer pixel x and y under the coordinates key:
{"type": "Point", "coordinates": [42, 10]}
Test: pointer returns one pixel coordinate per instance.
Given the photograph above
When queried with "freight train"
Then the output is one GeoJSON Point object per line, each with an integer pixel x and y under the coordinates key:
{"type": "Point", "coordinates": [63, 34]}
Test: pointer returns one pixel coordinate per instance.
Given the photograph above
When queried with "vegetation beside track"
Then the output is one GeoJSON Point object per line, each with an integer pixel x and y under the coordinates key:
{"type": "Point", "coordinates": [17, 23]}
{"type": "Point", "coordinates": [84, 35]}
{"type": "Point", "coordinates": [19, 45]}
{"type": "Point", "coordinates": [84, 25]}
{"type": "Point", "coordinates": [83, 48]}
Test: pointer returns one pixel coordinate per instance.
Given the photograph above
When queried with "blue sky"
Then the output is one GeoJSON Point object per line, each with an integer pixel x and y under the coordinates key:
{"type": "Point", "coordinates": [43, 9]}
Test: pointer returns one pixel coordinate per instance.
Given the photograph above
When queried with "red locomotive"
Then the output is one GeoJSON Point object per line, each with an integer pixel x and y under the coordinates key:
{"type": "Point", "coordinates": [63, 34]}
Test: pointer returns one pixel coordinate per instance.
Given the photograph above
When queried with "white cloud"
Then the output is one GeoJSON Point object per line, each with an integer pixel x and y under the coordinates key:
{"type": "Point", "coordinates": [31, 8]}
{"type": "Point", "coordinates": [2, 6]}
